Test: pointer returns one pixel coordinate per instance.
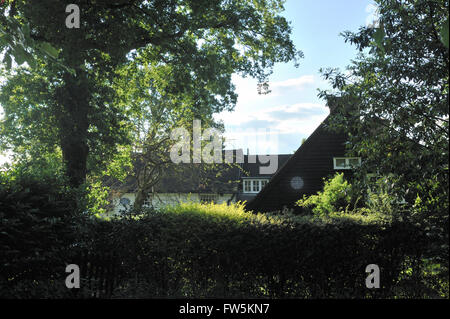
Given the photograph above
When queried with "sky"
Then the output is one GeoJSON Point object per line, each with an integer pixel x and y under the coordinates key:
{"type": "Point", "coordinates": [277, 122]}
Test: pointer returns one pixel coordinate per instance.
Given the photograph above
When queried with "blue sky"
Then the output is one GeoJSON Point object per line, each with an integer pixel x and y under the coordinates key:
{"type": "Point", "coordinates": [277, 122]}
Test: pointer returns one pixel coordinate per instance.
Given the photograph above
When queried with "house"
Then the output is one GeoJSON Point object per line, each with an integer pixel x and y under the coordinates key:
{"type": "Point", "coordinates": [228, 183]}
{"type": "Point", "coordinates": [320, 156]}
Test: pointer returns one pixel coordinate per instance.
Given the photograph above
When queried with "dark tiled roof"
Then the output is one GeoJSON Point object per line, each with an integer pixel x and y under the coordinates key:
{"type": "Point", "coordinates": [200, 177]}
{"type": "Point", "coordinates": [189, 178]}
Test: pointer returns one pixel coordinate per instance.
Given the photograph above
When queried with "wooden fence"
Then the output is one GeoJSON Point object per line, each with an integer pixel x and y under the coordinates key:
{"type": "Point", "coordinates": [99, 274]}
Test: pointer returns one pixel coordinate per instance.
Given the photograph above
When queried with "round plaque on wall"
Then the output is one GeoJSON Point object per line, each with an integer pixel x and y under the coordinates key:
{"type": "Point", "coordinates": [297, 182]}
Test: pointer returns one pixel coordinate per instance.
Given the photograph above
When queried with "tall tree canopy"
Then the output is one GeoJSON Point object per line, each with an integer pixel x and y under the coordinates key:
{"type": "Point", "coordinates": [70, 100]}
{"type": "Point", "coordinates": [395, 94]}
{"type": "Point", "coordinates": [394, 98]}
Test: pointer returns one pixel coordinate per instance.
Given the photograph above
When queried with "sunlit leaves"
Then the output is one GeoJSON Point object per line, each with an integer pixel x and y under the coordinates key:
{"type": "Point", "coordinates": [190, 50]}
{"type": "Point", "coordinates": [378, 37]}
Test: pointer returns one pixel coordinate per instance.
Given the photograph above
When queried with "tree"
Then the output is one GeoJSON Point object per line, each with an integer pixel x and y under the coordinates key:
{"type": "Point", "coordinates": [394, 100]}
{"type": "Point", "coordinates": [193, 43]}
{"type": "Point", "coordinates": [154, 113]}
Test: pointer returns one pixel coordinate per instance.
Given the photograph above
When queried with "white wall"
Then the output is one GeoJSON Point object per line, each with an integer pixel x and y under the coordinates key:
{"type": "Point", "coordinates": [164, 199]}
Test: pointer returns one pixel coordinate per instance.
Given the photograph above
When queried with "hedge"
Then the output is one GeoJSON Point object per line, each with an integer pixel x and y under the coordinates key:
{"type": "Point", "coordinates": [200, 251]}
{"type": "Point", "coordinates": [220, 251]}
{"type": "Point", "coordinates": [38, 225]}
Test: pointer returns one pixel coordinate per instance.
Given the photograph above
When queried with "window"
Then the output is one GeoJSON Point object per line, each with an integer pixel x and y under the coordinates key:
{"type": "Point", "coordinates": [247, 186]}
{"type": "Point", "coordinates": [208, 198]}
{"type": "Point", "coordinates": [346, 162]}
{"type": "Point", "coordinates": [254, 185]}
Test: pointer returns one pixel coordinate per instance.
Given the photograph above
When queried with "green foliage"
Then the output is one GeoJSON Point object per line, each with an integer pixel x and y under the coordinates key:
{"type": "Point", "coordinates": [444, 33]}
{"type": "Point", "coordinates": [430, 211]}
{"type": "Point", "coordinates": [336, 196]}
{"type": "Point", "coordinates": [204, 251]}
{"type": "Point", "coordinates": [380, 201]}
{"type": "Point", "coordinates": [17, 43]}
{"type": "Point", "coordinates": [38, 224]}
{"type": "Point", "coordinates": [97, 199]}
{"type": "Point", "coordinates": [187, 61]}
{"type": "Point", "coordinates": [393, 101]}
{"type": "Point", "coordinates": [378, 37]}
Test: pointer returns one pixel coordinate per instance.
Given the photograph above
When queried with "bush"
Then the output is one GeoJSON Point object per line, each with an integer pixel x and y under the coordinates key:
{"type": "Point", "coordinates": [195, 250]}
{"type": "Point", "coordinates": [38, 225]}
{"type": "Point", "coordinates": [336, 196]}
{"type": "Point", "coordinates": [201, 251]}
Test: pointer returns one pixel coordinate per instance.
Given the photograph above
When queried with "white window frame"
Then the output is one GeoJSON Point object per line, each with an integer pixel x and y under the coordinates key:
{"type": "Point", "coordinates": [256, 185]}
{"type": "Point", "coordinates": [347, 162]}
{"type": "Point", "coordinates": [249, 188]}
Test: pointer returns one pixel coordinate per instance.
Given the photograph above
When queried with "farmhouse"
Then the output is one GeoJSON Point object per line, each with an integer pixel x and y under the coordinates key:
{"type": "Point", "coordinates": [320, 156]}
{"type": "Point", "coordinates": [199, 182]}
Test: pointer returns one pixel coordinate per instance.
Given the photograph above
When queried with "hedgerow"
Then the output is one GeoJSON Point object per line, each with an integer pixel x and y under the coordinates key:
{"type": "Point", "coordinates": [39, 223]}
{"type": "Point", "coordinates": [203, 251]}
{"type": "Point", "coordinates": [197, 250]}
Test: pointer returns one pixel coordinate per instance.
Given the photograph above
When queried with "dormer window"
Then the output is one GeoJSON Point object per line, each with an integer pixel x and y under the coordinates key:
{"type": "Point", "coordinates": [346, 162]}
{"type": "Point", "coordinates": [252, 185]}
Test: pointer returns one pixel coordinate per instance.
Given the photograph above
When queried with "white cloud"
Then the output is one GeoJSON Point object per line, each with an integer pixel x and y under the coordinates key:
{"type": "Point", "coordinates": [246, 88]}
{"type": "Point", "coordinates": [298, 107]}
{"type": "Point", "coordinates": [285, 121]}
{"type": "Point", "coordinates": [289, 86]}
{"type": "Point", "coordinates": [297, 83]}
{"type": "Point", "coordinates": [290, 112]}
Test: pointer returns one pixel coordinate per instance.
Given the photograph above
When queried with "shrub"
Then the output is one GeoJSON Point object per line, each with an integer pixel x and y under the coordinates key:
{"type": "Point", "coordinates": [201, 251]}
{"type": "Point", "coordinates": [336, 196]}
{"type": "Point", "coordinates": [195, 250]}
{"type": "Point", "coordinates": [38, 224]}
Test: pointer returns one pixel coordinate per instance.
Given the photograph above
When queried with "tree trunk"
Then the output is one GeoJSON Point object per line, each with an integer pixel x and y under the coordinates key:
{"type": "Point", "coordinates": [141, 195]}
{"type": "Point", "coordinates": [75, 159]}
{"type": "Point", "coordinates": [72, 115]}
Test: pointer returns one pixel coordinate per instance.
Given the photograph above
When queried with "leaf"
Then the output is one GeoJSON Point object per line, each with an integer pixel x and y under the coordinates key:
{"type": "Point", "coordinates": [378, 37]}
{"type": "Point", "coordinates": [6, 39]}
{"type": "Point", "coordinates": [49, 49]}
{"type": "Point", "coordinates": [444, 33]}
{"type": "Point", "coordinates": [20, 54]}
{"type": "Point", "coordinates": [26, 32]}
{"type": "Point", "coordinates": [8, 61]}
